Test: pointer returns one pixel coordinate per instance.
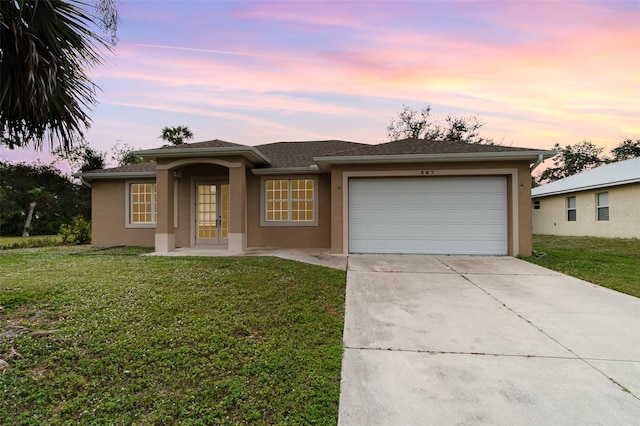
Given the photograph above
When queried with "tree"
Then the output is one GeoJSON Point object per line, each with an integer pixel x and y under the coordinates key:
{"type": "Point", "coordinates": [62, 198]}
{"type": "Point", "coordinates": [627, 149]}
{"type": "Point", "coordinates": [36, 195]}
{"type": "Point", "coordinates": [124, 154]}
{"type": "Point", "coordinates": [176, 135]}
{"type": "Point", "coordinates": [411, 124]}
{"type": "Point", "coordinates": [572, 159]}
{"type": "Point", "coordinates": [464, 129]}
{"type": "Point", "coordinates": [81, 157]}
{"type": "Point", "coordinates": [47, 46]}
{"type": "Point", "coordinates": [414, 124]}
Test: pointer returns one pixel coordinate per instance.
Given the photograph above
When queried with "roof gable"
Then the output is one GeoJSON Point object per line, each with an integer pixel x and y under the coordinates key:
{"type": "Point", "coordinates": [613, 174]}
{"type": "Point", "coordinates": [214, 143]}
{"type": "Point", "coordinates": [212, 148]}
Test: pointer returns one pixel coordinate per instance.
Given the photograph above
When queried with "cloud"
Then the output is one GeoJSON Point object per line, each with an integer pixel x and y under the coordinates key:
{"type": "Point", "coordinates": [531, 69]}
{"type": "Point", "coordinates": [219, 52]}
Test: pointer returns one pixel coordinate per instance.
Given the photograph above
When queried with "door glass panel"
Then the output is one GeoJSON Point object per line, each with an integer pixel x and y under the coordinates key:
{"type": "Point", "coordinates": [224, 213]}
{"type": "Point", "coordinates": [207, 214]}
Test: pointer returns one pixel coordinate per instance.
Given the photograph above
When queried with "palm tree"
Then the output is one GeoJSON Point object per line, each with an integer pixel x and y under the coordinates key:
{"type": "Point", "coordinates": [46, 46]}
{"type": "Point", "coordinates": [37, 195]}
{"type": "Point", "coordinates": [176, 135]}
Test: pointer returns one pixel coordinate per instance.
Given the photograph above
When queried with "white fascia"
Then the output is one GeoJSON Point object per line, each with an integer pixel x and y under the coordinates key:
{"type": "Point", "coordinates": [531, 156]}
{"type": "Point", "coordinates": [249, 152]}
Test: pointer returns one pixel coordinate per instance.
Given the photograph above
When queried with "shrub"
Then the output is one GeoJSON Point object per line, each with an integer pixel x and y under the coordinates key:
{"type": "Point", "coordinates": [78, 232]}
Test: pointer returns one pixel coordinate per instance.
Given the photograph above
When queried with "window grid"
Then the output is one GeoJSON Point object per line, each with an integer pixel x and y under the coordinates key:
{"type": "Point", "coordinates": [277, 200]}
{"type": "Point", "coordinates": [143, 203]}
{"type": "Point", "coordinates": [603, 206]}
{"type": "Point", "coordinates": [207, 211]}
{"type": "Point", "coordinates": [289, 200]}
{"type": "Point", "coordinates": [571, 209]}
{"type": "Point", "coordinates": [302, 200]}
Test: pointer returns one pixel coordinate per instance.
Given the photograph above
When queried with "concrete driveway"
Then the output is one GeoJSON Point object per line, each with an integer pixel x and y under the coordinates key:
{"type": "Point", "coordinates": [450, 340]}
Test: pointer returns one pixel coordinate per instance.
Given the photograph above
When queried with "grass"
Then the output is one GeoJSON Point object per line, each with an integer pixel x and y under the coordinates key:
{"type": "Point", "coordinates": [610, 262]}
{"type": "Point", "coordinates": [109, 337]}
{"type": "Point", "coordinates": [7, 243]}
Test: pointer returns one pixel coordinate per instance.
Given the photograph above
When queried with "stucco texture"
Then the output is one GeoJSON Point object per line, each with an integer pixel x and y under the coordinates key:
{"type": "Point", "coordinates": [110, 205]}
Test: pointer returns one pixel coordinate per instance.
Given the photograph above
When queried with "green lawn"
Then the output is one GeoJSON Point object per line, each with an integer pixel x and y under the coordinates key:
{"type": "Point", "coordinates": [32, 241]}
{"type": "Point", "coordinates": [610, 262]}
{"type": "Point", "coordinates": [109, 337]}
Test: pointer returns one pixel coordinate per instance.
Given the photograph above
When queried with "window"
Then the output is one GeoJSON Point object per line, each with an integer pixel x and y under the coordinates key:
{"type": "Point", "coordinates": [571, 209]}
{"type": "Point", "coordinates": [290, 202]}
{"type": "Point", "coordinates": [603, 205]}
{"type": "Point", "coordinates": [536, 205]}
{"type": "Point", "coordinates": [142, 203]}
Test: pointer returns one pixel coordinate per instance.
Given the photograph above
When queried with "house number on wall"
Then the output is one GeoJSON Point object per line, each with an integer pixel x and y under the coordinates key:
{"type": "Point", "coordinates": [427, 172]}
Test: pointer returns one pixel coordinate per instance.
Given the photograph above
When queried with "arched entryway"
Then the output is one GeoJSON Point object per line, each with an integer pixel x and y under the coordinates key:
{"type": "Point", "coordinates": [201, 203]}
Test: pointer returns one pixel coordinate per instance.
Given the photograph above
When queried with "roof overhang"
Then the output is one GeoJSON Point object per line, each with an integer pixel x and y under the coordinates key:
{"type": "Point", "coordinates": [270, 171]}
{"type": "Point", "coordinates": [115, 175]}
{"type": "Point", "coordinates": [86, 178]}
{"type": "Point", "coordinates": [250, 153]}
{"type": "Point", "coordinates": [583, 188]}
{"type": "Point", "coordinates": [530, 156]}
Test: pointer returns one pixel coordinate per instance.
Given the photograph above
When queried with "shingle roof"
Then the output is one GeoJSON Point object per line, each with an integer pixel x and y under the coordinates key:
{"type": "Point", "coordinates": [300, 154]}
{"type": "Point", "coordinates": [215, 143]}
{"type": "Point", "coordinates": [421, 146]}
{"type": "Point", "coordinates": [147, 166]}
{"type": "Point", "coordinates": [613, 174]}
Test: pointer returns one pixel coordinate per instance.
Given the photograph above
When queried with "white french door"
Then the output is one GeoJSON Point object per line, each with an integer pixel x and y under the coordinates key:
{"type": "Point", "coordinates": [212, 213]}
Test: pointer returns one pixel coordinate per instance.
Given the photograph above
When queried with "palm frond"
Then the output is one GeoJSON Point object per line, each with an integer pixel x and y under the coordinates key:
{"type": "Point", "coordinates": [47, 46]}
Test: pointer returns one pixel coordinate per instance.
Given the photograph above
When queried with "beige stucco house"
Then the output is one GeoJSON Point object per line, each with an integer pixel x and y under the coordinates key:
{"type": "Point", "coordinates": [408, 196]}
{"type": "Point", "coordinates": [601, 202]}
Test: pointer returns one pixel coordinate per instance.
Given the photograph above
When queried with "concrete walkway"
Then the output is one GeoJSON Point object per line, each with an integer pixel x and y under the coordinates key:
{"type": "Point", "coordinates": [312, 256]}
{"type": "Point", "coordinates": [449, 340]}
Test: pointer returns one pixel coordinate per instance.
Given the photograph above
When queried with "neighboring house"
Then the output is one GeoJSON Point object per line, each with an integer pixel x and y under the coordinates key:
{"type": "Point", "coordinates": [601, 202]}
{"type": "Point", "coordinates": [408, 196]}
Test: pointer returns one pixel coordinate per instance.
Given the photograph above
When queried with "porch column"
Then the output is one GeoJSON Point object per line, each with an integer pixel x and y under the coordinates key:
{"type": "Point", "coordinates": [238, 208]}
{"type": "Point", "coordinates": [165, 233]}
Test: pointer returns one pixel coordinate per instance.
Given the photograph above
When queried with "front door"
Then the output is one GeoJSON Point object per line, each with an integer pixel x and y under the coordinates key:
{"type": "Point", "coordinates": [212, 213]}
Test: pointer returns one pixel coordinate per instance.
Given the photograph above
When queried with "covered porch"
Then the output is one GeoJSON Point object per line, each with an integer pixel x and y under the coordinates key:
{"type": "Point", "coordinates": [201, 196]}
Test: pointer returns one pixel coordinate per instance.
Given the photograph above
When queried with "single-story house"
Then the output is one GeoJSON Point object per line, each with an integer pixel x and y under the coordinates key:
{"type": "Point", "coordinates": [407, 196]}
{"type": "Point", "coordinates": [601, 202]}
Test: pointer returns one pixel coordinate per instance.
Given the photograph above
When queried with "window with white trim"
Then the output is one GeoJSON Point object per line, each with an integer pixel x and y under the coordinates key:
{"type": "Point", "coordinates": [536, 204]}
{"type": "Point", "coordinates": [602, 202]}
{"type": "Point", "coordinates": [289, 202]}
{"type": "Point", "coordinates": [142, 203]}
{"type": "Point", "coordinates": [571, 209]}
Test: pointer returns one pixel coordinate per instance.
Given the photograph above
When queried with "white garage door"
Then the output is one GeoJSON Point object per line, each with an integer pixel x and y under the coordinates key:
{"type": "Point", "coordinates": [429, 215]}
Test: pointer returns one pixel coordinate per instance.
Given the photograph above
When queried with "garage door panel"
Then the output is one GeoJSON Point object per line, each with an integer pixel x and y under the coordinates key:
{"type": "Point", "coordinates": [452, 215]}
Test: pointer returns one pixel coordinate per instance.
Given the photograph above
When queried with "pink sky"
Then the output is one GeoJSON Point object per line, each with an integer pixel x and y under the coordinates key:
{"type": "Point", "coordinates": [536, 72]}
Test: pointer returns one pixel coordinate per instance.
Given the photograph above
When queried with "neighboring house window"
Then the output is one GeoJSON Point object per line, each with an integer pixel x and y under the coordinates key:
{"type": "Point", "coordinates": [142, 203]}
{"type": "Point", "coordinates": [290, 202]}
{"type": "Point", "coordinates": [536, 205]}
{"type": "Point", "coordinates": [603, 206]}
{"type": "Point", "coordinates": [571, 209]}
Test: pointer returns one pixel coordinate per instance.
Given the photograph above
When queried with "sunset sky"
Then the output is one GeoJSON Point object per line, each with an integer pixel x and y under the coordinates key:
{"type": "Point", "coordinates": [536, 72]}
